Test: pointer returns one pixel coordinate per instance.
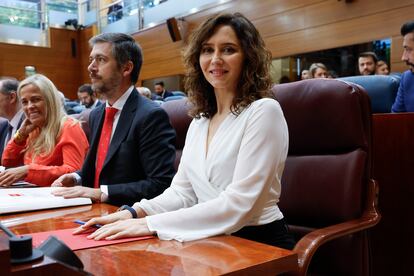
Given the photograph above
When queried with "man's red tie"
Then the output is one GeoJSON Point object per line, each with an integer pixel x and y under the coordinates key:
{"type": "Point", "coordinates": [104, 142]}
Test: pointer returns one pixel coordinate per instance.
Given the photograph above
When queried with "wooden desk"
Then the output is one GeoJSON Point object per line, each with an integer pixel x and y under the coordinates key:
{"type": "Point", "coordinates": [393, 158]}
{"type": "Point", "coordinates": [212, 256]}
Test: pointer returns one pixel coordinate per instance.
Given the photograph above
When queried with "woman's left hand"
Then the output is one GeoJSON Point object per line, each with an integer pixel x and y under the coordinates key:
{"type": "Point", "coordinates": [122, 229]}
{"type": "Point", "coordinates": [12, 175]}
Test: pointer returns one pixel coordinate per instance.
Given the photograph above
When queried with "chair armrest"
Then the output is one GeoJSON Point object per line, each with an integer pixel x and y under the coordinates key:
{"type": "Point", "coordinates": [307, 246]}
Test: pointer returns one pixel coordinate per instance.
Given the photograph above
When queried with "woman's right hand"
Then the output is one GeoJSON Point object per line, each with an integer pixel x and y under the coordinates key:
{"type": "Point", "coordinates": [26, 128]}
{"type": "Point", "coordinates": [121, 215]}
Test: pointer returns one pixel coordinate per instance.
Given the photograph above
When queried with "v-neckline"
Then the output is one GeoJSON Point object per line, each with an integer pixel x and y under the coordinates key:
{"type": "Point", "coordinates": [207, 145]}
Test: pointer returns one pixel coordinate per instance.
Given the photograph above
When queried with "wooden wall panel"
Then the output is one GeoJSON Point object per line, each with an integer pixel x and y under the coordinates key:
{"type": "Point", "coordinates": [325, 13]}
{"type": "Point", "coordinates": [56, 61]}
{"type": "Point", "coordinates": [358, 30]}
{"type": "Point", "coordinates": [84, 50]}
{"type": "Point", "coordinates": [397, 51]}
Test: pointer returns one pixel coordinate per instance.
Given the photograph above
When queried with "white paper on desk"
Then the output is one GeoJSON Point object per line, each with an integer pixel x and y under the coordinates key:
{"type": "Point", "coordinates": [23, 199]}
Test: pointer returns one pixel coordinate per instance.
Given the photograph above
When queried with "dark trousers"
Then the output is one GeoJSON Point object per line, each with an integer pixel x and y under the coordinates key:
{"type": "Point", "coordinates": [275, 233]}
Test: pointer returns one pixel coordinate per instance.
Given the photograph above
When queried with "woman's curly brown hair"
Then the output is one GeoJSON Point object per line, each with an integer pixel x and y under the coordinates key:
{"type": "Point", "coordinates": [254, 83]}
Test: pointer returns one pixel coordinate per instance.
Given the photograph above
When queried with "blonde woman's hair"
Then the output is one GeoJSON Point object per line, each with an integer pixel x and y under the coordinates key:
{"type": "Point", "coordinates": [314, 66]}
{"type": "Point", "coordinates": [45, 141]}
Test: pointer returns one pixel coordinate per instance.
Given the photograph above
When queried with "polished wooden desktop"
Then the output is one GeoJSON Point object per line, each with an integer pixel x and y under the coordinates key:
{"type": "Point", "coordinates": [213, 256]}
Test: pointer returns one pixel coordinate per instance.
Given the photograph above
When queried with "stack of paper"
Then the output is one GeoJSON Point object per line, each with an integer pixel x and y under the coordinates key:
{"type": "Point", "coordinates": [23, 199]}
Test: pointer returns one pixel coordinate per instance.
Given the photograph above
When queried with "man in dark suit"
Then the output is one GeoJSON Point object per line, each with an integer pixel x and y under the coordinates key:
{"type": "Point", "coordinates": [4, 126]}
{"type": "Point", "coordinates": [160, 90]}
{"type": "Point", "coordinates": [404, 101]}
{"type": "Point", "coordinates": [138, 162]}
{"type": "Point", "coordinates": [87, 96]}
{"type": "Point", "coordinates": [10, 109]}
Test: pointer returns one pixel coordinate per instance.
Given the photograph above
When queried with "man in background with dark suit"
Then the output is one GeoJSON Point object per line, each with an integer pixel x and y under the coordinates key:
{"type": "Point", "coordinates": [87, 96]}
{"type": "Point", "coordinates": [4, 126]}
{"type": "Point", "coordinates": [404, 101]}
{"type": "Point", "coordinates": [367, 63]}
{"type": "Point", "coordinates": [132, 151]}
{"type": "Point", "coordinates": [160, 90]}
{"type": "Point", "coordinates": [10, 109]}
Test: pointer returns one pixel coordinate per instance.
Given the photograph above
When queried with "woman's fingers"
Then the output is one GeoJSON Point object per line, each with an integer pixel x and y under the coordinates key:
{"type": "Point", "coordinates": [119, 235]}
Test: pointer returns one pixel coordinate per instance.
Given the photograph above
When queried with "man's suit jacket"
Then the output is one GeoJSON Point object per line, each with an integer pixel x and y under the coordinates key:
{"type": "Point", "coordinates": [404, 101]}
{"type": "Point", "coordinates": [140, 158]}
{"type": "Point", "coordinates": [4, 126]}
{"type": "Point", "coordinates": [167, 94]}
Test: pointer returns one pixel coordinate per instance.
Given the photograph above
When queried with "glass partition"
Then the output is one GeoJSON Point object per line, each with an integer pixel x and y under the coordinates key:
{"type": "Point", "coordinates": [132, 15]}
{"type": "Point", "coordinates": [21, 22]}
{"type": "Point", "coordinates": [88, 12]}
{"type": "Point", "coordinates": [60, 11]}
{"type": "Point", "coordinates": [26, 21]}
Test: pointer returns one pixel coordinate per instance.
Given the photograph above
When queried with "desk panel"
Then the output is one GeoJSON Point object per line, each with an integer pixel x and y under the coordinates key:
{"type": "Point", "coordinates": [212, 256]}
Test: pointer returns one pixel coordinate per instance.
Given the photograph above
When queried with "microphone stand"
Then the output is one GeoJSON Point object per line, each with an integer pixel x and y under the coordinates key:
{"type": "Point", "coordinates": [21, 247]}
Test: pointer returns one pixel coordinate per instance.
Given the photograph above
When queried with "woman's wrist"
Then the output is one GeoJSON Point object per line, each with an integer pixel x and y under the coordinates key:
{"type": "Point", "coordinates": [20, 137]}
{"type": "Point", "coordinates": [130, 210]}
{"type": "Point", "coordinates": [139, 210]}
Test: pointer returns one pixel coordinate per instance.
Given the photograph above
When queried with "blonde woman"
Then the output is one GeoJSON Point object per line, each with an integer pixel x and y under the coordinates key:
{"type": "Point", "coordinates": [48, 144]}
{"type": "Point", "coordinates": [318, 71]}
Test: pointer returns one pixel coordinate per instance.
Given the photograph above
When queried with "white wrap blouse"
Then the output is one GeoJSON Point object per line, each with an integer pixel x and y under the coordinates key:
{"type": "Point", "coordinates": [236, 184]}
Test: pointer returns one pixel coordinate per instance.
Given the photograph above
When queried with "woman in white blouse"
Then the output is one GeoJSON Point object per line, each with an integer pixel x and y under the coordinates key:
{"type": "Point", "coordinates": [228, 180]}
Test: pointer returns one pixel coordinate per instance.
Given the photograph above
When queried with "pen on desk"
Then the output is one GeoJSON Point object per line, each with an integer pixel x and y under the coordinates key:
{"type": "Point", "coordinates": [82, 223]}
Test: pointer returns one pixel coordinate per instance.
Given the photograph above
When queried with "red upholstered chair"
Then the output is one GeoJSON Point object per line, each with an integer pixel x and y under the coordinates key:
{"type": "Point", "coordinates": [328, 197]}
{"type": "Point", "coordinates": [180, 120]}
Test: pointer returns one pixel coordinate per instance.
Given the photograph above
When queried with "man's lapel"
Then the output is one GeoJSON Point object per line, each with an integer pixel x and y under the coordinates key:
{"type": "Point", "coordinates": [123, 126]}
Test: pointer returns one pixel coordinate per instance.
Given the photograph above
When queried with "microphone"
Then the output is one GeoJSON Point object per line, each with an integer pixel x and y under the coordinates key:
{"type": "Point", "coordinates": [21, 247]}
{"type": "Point", "coordinates": [22, 251]}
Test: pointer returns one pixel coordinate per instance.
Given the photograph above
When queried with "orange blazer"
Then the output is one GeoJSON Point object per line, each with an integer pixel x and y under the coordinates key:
{"type": "Point", "coordinates": [67, 156]}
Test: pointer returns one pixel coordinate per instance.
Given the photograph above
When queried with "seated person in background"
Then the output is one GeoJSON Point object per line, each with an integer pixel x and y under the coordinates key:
{"type": "Point", "coordinates": [382, 68]}
{"type": "Point", "coordinates": [367, 62]}
{"type": "Point", "coordinates": [228, 181]}
{"type": "Point", "coordinates": [305, 75]}
{"type": "Point", "coordinates": [160, 90]}
{"type": "Point", "coordinates": [48, 144]}
{"type": "Point", "coordinates": [404, 101]}
{"type": "Point", "coordinates": [144, 91]}
{"type": "Point", "coordinates": [4, 130]}
{"type": "Point", "coordinates": [10, 109]}
{"type": "Point", "coordinates": [87, 96]}
{"type": "Point", "coordinates": [318, 71]}
{"type": "Point", "coordinates": [62, 101]}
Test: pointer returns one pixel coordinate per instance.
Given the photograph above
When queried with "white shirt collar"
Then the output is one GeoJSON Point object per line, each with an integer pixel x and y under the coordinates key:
{"type": "Point", "coordinates": [94, 104]}
{"type": "Point", "coordinates": [16, 119]}
{"type": "Point", "coordinates": [119, 104]}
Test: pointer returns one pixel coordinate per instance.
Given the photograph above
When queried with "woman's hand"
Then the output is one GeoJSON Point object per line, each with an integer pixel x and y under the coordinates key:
{"type": "Point", "coordinates": [117, 216]}
{"type": "Point", "coordinates": [26, 128]}
{"type": "Point", "coordinates": [122, 229]}
{"type": "Point", "coordinates": [10, 176]}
